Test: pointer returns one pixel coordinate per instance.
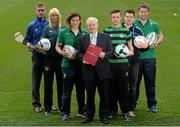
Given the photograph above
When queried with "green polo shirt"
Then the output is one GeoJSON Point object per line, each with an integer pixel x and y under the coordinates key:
{"type": "Point", "coordinates": [67, 37]}
{"type": "Point", "coordinates": [150, 26]}
{"type": "Point", "coordinates": [120, 35]}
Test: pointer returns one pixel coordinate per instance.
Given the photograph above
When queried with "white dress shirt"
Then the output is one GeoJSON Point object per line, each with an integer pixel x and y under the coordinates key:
{"type": "Point", "coordinates": [93, 38]}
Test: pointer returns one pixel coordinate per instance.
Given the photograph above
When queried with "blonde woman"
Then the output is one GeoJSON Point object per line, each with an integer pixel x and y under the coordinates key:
{"type": "Point", "coordinates": [52, 62]}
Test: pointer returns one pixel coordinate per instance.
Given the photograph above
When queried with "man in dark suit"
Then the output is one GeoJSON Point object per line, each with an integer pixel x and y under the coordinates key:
{"type": "Point", "coordinates": [99, 74]}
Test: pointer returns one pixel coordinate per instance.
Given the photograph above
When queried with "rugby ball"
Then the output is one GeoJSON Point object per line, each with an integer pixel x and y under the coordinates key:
{"type": "Point", "coordinates": [139, 40]}
{"type": "Point", "coordinates": [121, 50]}
{"type": "Point", "coordinates": [44, 44]}
{"type": "Point", "coordinates": [70, 50]}
{"type": "Point", "coordinates": [151, 38]}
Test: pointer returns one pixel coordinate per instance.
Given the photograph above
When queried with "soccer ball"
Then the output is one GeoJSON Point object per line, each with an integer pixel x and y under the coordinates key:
{"type": "Point", "coordinates": [121, 50]}
{"type": "Point", "coordinates": [139, 40]}
{"type": "Point", "coordinates": [151, 39]}
{"type": "Point", "coordinates": [71, 51]}
{"type": "Point", "coordinates": [44, 44]}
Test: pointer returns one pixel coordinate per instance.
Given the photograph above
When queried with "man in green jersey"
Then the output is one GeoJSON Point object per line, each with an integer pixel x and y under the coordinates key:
{"type": "Point", "coordinates": [147, 65]}
{"type": "Point", "coordinates": [119, 66]}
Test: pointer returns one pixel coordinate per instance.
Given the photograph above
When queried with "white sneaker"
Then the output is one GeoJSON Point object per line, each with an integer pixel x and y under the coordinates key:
{"type": "Point", "coordinates": [54, 108]}
{"type": "Point", "coordinates": [37, 109]}
{"type": "Point", "coordinates": [81, 115]}
{"type": "Point", "coordinates": [131, 114]}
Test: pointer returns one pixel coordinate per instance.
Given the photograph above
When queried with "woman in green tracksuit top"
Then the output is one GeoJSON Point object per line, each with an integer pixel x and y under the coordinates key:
{"type": "Point", "coordinates": [71, 68]}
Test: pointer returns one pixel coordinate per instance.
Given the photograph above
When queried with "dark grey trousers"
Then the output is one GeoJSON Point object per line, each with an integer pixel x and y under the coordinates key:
{"type": "Point", "coordinates": [37, 71]}
{"type": "Point", "coordinates": [133, 76]}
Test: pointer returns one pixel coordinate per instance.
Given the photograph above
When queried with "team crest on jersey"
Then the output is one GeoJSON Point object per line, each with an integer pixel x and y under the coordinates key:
{"type": "Point", "coordinates": [67, 33]}
{"type": "Point", "coordinates": [121, 35]}
{"type": "Point", "coordinates": [36, 29]}
{"type": "Point", "coordinates": [83, 33]}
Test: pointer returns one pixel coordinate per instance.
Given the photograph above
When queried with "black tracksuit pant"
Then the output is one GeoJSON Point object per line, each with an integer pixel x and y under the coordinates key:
{"type": "Point", "coordinates": [52, 65]}
{"type": "Point", "coordinates": [119, 87]}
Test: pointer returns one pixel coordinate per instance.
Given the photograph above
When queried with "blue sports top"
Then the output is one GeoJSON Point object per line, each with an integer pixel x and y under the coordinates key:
{"type": "Point", "coordinates": [34, 31]}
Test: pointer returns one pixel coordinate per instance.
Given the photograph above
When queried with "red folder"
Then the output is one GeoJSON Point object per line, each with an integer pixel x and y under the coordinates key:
{"type": "Point", "coordinates": [92, 54]}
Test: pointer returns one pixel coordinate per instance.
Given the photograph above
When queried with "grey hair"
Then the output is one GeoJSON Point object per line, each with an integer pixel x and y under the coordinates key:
{"type": "Point", "coordinates": [91, 19]}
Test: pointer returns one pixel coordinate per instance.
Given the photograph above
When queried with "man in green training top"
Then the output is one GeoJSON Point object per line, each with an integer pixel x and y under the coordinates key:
{"type": "Point", "coordinates": [147, 65]}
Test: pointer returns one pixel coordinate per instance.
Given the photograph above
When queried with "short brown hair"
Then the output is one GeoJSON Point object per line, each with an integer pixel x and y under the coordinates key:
{"type": "Point", "coordinates": [40, 4]}
{"type": "Point", "coordinates": [115, 11]}
{"type": "Point", "coordinates": [131, 11]}
{"type": "Point", "coordinates": [144, 5]}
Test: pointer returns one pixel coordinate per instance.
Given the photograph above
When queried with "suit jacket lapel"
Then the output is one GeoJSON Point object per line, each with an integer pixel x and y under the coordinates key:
{"type": "Point", "coordinates": [98, 43]}
{"type": "Point", "coordinates": [87, 40]}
